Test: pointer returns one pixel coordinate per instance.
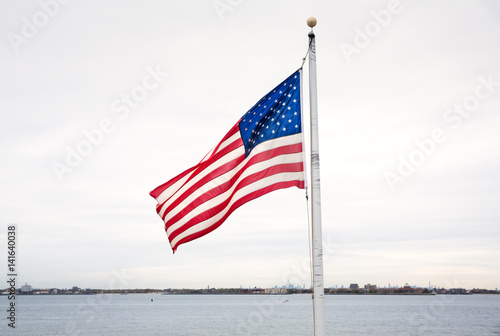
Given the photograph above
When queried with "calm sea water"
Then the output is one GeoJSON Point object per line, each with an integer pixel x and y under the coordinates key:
{"type": "Point", "coordinates": [193, 315]}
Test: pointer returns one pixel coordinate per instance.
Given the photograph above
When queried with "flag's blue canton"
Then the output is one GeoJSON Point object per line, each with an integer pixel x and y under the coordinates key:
{"type": "Point", "coordinates": [277, 114]}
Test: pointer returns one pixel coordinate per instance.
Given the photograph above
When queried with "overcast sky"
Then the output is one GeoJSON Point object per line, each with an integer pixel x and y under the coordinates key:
{"type": "Point", "coordinates": [409, 97]}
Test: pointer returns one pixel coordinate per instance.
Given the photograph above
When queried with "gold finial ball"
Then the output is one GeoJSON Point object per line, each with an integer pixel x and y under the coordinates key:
{"type": "Point", "coordinates": [311, 22]}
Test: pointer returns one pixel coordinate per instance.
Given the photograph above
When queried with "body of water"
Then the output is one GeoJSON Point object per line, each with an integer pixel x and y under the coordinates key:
{"type": "Point", "coordinates": [277, 315]}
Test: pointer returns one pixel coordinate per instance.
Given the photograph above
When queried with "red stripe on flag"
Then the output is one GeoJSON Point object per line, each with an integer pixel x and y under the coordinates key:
{"type": "Point", "coordinates": [216, 173]}
{"type": "Point", "coordinates": [220, 189]}
{"type": "Point", "coordinates": [260, 157]}
{"type": "Point", "coordinates": [277, 169]}
{"type": "Point", "coordinates": [235, 129]}
{"type": "Point", "coordinates": [240, 202]}
{"type": "Point", "coordinates": [204, 165]}
{"type": "Point", "coordinates": [158, 190]}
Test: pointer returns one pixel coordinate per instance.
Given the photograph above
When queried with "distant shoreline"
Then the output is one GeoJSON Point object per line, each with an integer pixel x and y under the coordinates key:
{"type": "Point", "coordinates": [243, 294]}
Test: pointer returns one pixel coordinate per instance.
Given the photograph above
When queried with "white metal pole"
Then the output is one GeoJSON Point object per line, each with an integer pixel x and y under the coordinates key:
{"type": "Point", "coordinates": [317, 248]}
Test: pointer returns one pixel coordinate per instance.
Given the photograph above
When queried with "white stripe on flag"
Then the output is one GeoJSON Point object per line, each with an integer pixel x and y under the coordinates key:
{"type": "Point", "coordinates": [288, 158]}
{"type": "Point", "coordinates": [268, 145]}
{"type": "Point", "coordinates": [262, 183]}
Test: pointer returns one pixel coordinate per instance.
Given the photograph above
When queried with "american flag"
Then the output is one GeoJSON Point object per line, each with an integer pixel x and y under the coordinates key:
{"type": "Point", "coordinates": [260, 154]}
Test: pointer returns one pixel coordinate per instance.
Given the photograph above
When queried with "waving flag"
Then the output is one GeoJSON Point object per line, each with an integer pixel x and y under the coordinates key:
{"type": "Point", "coordinates": [260, 154]}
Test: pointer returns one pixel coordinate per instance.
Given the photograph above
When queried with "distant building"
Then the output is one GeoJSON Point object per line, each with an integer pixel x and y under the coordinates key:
{"type": "Point", "coordinates": [275, 291]}
{"type": "Point", "coordinates": [406, 289]}
{"type": "Point", "coordinates": [388, 290]}
{"type": "Point", "coordinates": [370, 288]}
{"type": "Point", "coordinates": [26, 288]}
{"type": "Point", "coordinates": [353, 286]}
{"type": "Point", "coordinates": [255, 290]}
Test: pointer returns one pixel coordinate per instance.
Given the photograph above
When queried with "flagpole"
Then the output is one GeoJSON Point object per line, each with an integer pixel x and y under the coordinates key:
{"type": "Point", "coordinates": [317, 248]}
